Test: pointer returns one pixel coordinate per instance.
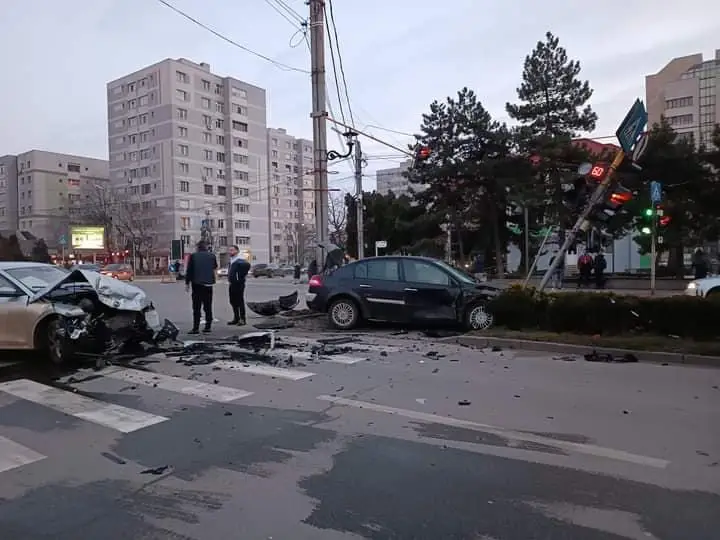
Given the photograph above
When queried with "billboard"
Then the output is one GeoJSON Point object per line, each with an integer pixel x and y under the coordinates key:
{"type": "Point", "coordinates": [87, 238]}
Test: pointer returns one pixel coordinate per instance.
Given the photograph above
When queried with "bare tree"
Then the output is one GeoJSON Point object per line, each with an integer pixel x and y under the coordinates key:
{"type": "Point", "coordinates": [96, 207]}
{"type": "Point", "coordinates": [337, 218]}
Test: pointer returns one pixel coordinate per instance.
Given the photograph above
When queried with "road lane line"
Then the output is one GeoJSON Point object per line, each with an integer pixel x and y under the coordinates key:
{"type": "Point", "coordinates": [112, 416]}
{"type": "Point", "coordinates": [589, 449]}
{"type": "Point", "coordinates": [213, 392]}
{"type": "Point", "coordinates": [267, 371]}
{"type": "Point", "coordinates": [360, 347]}
{"type": "Point", "coordinates": [13, 455]}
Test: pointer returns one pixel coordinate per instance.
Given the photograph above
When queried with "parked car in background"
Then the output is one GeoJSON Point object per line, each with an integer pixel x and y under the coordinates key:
{"type": "Point", "coordinates": [403, 290]}
{"type": "Point", "coordinates": [89, 267]}
{"type": "Point", "coordinates": [286, 270]}
{"type": "Point", "coordinates": [223, 272]}
{"type": "Point", "coordinates": [123, 272]}
{"type": "Point", "coordinates": [263, 270]}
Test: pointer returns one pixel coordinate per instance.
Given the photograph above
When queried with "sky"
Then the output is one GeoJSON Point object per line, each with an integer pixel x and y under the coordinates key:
{"type": "Point", "coordinates": [398, 57]}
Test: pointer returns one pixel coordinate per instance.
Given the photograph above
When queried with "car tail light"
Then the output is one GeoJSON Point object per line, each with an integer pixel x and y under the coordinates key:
{"type": "Point", "coordinates": [315, 281]}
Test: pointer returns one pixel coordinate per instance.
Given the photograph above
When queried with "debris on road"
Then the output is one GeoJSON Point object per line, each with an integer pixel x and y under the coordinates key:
{"type": "Point", "coordinates": [157, 470]}
{"type": "Point", "coordinates": [464, 402]}
{"type": "Point", "coordinates": [272, 308]}
{"type": "Point", "coordinates": [627, 358]}
{"type": "Point", "coordinates": [565, 358]}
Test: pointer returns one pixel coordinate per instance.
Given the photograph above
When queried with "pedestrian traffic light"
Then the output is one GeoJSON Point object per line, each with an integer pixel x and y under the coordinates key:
{"type": "Point", "coordinates": [616, 198]}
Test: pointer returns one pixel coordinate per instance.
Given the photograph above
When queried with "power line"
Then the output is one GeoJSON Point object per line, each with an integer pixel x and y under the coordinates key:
{"type": "Point", "coordinates": [282, 14]}
{"type": "Point", "coordinates": [292, 12]}
{"type": "Point", "coordinates": [335, 71]}
{"type": "Point", "coordinates": [342, 68]}
{"type": "Point", "coordinates": [230, 41]}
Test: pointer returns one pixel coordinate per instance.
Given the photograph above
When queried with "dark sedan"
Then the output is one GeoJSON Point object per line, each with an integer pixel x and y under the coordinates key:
{"type": "Point", "coordinates": [400, 289]}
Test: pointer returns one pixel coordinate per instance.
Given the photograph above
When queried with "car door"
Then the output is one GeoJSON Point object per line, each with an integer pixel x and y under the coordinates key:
{"type": "Point", "coordinates": [377, 282]}
{"type": "Point", "coordinates": [14, 315]}
{"type": "Point", "coordinates": [430, 293]}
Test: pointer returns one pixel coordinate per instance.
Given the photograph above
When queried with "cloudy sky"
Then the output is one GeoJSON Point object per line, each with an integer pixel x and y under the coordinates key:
{"type": "Point", "coordinates": [399, 56]}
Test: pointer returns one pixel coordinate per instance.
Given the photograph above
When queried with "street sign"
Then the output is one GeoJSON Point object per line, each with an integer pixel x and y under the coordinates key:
{"type": "Point", "coordinates": [640, 147]}
{"type": "Point", "coordinates": [655, 192]}
{"type": "Point", "coordinates": [382, 244]}
{"type": "Point", "coordinates": [632, 126]}
{"type": "Point", "coordinates": [63, 240]}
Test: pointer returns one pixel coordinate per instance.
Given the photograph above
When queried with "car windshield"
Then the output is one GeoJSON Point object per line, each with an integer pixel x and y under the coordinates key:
{"type": "Point", "coordinates": [37, 278]}
{"type": "Point", "coordinates": [457, 274]}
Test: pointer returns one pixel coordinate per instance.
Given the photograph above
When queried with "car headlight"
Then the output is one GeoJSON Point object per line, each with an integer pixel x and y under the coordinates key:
{"type": "Point", "coordinates": [692, 285]}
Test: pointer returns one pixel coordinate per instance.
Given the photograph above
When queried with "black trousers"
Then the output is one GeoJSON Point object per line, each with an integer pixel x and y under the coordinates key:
{"type": "Point", "coordinates": [236, 294]}
{"type": "Point", "coordinates": [202, 297]}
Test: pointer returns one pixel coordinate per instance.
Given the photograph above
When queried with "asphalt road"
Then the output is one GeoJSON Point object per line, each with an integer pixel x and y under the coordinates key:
{"type": "Point", "coordinates": [397, 437]}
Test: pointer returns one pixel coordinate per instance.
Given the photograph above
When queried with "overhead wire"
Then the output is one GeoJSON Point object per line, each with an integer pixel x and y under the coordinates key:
{"type": "Point", "coordinates": [335, 72]}
{"type": "Point", "coordinates": [204, 26]}
{"type": "Point", "coordinates": [340, 62]}
{"type": "Point", "coordinates": [284, 15]}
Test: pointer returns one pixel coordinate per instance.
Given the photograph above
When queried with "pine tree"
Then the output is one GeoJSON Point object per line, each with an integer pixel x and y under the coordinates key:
{"type": "Point", "coordinates": [552, 109]}
{"type": "Point", "coordinates": [466, 172]}
{"type": "Point", "coordinates": [40, 252]}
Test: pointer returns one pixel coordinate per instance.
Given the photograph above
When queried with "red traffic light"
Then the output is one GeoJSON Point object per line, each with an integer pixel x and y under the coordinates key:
{"type": "Point", "coordinates": [621, 197]}
{"type": "Point", "coordinates": [423, 152]}
{"type": "Point", "coordinates": [665, 220]}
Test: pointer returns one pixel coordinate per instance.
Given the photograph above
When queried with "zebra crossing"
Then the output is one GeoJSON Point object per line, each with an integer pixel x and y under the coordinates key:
{"type": "Point", "coordinates": [64, 398]}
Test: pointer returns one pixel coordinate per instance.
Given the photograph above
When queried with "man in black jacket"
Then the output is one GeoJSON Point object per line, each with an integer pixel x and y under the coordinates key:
{"type": "Point", "coordinates": [200, 277]}
{"type": "Point", "coordinates": [237, 272]}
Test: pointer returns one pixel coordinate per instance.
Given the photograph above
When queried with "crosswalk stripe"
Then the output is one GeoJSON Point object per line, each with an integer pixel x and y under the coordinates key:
{"type": "Point", "coordinates": [268, 371]}
{"type": "Point", "coordinates": [13, 455]}
{"type": "Point", "coordinates": [360, 347]}
{"type": "Point", "coordinates": [335, 358]}
{"type": "Point", "coordinates": [115, 417]}
{"type": "Point", "coordinates": [213, 392]}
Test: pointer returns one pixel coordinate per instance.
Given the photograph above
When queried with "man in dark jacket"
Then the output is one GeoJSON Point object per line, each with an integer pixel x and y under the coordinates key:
{"type": "Point", "coordinates": [237, 272]}
{"type": "Point", "coordinates": [200, 278]}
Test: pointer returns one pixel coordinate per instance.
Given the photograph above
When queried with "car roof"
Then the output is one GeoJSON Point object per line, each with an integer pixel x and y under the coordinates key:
{"type": "Point", "coordinates": [405, 257]}
{"type": "Point", "coordinates": [9, 265]}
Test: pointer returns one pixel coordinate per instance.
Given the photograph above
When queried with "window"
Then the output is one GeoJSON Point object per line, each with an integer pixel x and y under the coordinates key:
{"type": "Point", "coordinates": [143, 119]}
{"type": "Point", "coordinates": [219, 107]}
{"type": "Point", "coordinates": [207, 120]}
{"type": "Point", "coordinates": [144, 136]}
{"type": "Point", "coordinates": [239, 109]}
{"type": "Point", "coordinates": [220, 157]}
{"type": "Point", "coordinates": [240, 175]}
{"type": "Point", "coordinates": [242, 224]}
{"type": "Point", "coordinates": [182, 95]}
{"type": "Point", "coordinates": [239, 126]}
{"type": "Point", "coordinates": [682, 120]}
{"type": "Point", "coordinates": [426, 273]}
{"type": "Point", "coordinates": [185, 222]}
{"type": "Point", "coordinates": [208, 154]}
{"type": "Point", "coordinates": [182, 114]}
{"type": "Point", "coordinates": [206, 85]}
{"type": "Point", "coordinates": [182, 77]}
{"type": "Point", "coordinates": [242, 208]}
{"type": "Point", "coordinates": [145, 189]}
{"type": "Point", "coordinates": [208, 189]}
{"type": "Point", "coordinates": [184, 168]}
{"type": "Point", "coordinates": [182, 131]}
{"type": "Point", "coordinates": [239, 158]}
{"type": "Point", "coordinates": [220, 139]}
{"type": "Point", "coordinates": [221, 224]}
{"type": "Point", "coordinates": [72, 167]}
{"type": "Point", "coordinates": [143, 101]}
{"type": "Point", "coordinates": [205, 103]}
{"type": "Point", "coordinates": [240, 143]}
{"type": "Point", "coordinates": [242, 240]}
{"type": "Point", "coordinates": [207, 137]}
{"type": "Point", "coordinates": [218, 89]}
{"type": "Point", "coordinates": [220, 123]}
{"type": "Point", "coordinates": [384, 270]}
{"type": "Point", "coordinates": [184, 186]}
{"type": "Point", "coordinates": [239, 92]}
{"type": "Point", "coordinates": [208, 172]}
{"type": "Point", "coordinates": [183, 149]}
{"type": "Point", "coordinates": [222, 191]}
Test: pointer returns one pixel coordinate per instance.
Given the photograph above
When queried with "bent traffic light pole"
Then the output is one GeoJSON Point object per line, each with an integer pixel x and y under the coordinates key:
{"type": "Point", "coordinates": [583, 222]}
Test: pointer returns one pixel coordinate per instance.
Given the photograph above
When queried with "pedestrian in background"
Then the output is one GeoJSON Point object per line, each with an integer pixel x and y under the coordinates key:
{"type": "Point", "coordinates": [700, 264]}
{"type": "Point", "coordinates": [556, 279]}
{"type": "Point", "coordinates": [599, 266]}
{"type": "Point", "coordinates": [237, 273]}
{"type": "Point", "coordinates": [312, 268]}
{"type": "Point", "coordinates": [200, 279]}
{"type": "Point", "coordinates": [585, 267]}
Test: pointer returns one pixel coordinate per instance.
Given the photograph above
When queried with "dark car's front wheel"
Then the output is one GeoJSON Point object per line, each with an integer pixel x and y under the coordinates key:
{"type": "Point", "coordinates": [477, 317]}
{"type": "Point", "coordinates": [344, 314]}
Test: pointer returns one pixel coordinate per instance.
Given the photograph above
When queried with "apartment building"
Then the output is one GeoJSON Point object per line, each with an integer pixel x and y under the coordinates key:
{"type": "Point", "coordinates": [291, 208]}
{"type": "Point", "coordinates": [43, 193]}
{"type": "Point", "coordinates": [685, 92]}
{"type": "Point", "coordinates": [394, 180]}
{"type": "Point", "coordinates": [189, 148]}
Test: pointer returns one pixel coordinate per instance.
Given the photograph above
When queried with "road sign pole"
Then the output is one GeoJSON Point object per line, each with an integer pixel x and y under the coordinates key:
{"type": "Point", "coordinates": [653, 250]}
{"type": "Point", "coordinates": [582, 222]}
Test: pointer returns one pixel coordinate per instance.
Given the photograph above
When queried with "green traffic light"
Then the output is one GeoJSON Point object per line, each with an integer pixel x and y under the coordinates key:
{"type": "Point", "coordinates": [648, 212]}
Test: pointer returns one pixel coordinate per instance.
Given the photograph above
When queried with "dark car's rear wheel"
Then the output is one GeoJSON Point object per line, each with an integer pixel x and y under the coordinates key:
{"type": "Point", "coordinates": [477, 317]}
{"type": "Point", "coordinates": [343, 314]}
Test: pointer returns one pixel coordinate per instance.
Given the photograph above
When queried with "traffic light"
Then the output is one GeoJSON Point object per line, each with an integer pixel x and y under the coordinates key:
{"type": "Point", "coordinates": [616, 198]}
{"type": "Point", "coordinates": [653, 217]}
{"type": "Point", "coordinates": [422, 153]}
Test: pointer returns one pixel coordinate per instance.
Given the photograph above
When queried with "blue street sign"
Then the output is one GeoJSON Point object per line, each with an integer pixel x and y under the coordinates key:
{"type": "Point", "coordinates": [632, 126]}
{"type": "Point", "coordinates": [63, 240]}
{"type": "Point", "coordinates": [655, 192]}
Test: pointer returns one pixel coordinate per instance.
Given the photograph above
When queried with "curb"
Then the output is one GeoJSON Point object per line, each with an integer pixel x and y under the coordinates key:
{"type": "Point", "coordinates": [655, 357]}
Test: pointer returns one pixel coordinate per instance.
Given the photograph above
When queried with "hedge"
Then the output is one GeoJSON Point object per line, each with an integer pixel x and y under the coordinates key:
{"type": "Point", "coordinates": [607, 313]}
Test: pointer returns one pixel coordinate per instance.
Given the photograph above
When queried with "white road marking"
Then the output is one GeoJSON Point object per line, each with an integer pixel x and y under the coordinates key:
{"type": "Point", "coordinates": [589, 449]}
{"type": "Point", "coordinates": [334, 358]}
{"type": "Point", "coordinates": [13, 455]}
{"type": "Point", "coordinates": [360, 347]}
{"type": "Point", "coordinates": [213, 392]}
{"type": "Point", "coordinates": [8, 363]}
{"type": "Point", "coordinates": [267, 371]}
{"type": "Point", "coordinates": [112, 416]}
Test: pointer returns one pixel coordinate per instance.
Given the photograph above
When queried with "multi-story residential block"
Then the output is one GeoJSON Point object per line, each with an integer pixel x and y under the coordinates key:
{"type": "Point", "coordinates": [43, 193]}
{"type": "Point", "coordinates": [291, 197]}
{"type": "Point", "coordinates": [394, 180]}
{"type": "Point", "coordinates": [189, 149]}
{"type": "Point", "coordinates": [686, 93]}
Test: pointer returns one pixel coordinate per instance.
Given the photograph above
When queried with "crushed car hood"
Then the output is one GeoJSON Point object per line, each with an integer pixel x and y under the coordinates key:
{"type": "Point", "coordinates": [111, 292]}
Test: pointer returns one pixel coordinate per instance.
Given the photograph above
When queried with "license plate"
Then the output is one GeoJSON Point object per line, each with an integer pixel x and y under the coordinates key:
{"type": "Point", "coordinates": [152, 318]}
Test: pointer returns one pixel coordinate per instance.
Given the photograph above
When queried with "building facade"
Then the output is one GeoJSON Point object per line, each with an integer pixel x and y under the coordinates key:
{"type": "Point", "coordinates": [291, 208]}
{"type": "Point", "coordinates": [43, 193]}
{"type": "Point", "coordinates": [188, 152]}
{"type": "Point", "coordinates": [394, 180]}
{"type": "Point", "coordinates": [685, 92]}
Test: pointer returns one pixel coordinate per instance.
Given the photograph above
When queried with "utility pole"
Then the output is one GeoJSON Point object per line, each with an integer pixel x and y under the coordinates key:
{"type": "Point", "coordinates": [653, 249]}
{"type": "Point", "coordinates": [319, 117]}
{"type": "Point", "coordinates": [359, 214]}
{"type": "Point", "coordinates": [448, 242]}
